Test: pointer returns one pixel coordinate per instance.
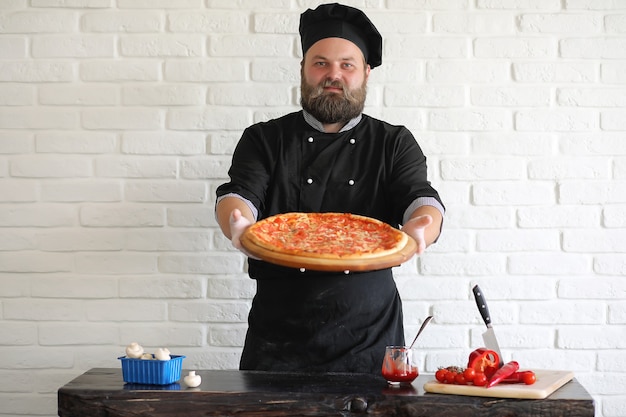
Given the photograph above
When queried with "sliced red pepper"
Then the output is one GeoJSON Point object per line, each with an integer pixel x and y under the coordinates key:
{"type": "Point", "coordinates": [527, 377]}
{"type": "Point", "coordinates": [483, 360]}
{"type": "Point", "coordinates": [504, 372]}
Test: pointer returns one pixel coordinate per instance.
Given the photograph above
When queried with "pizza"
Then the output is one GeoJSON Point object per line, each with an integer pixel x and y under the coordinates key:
{"type": "Point", "coordinates": [330, 236]}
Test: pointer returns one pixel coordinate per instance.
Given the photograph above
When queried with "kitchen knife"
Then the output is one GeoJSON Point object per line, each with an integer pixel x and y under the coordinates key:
{"type": "Point", "coordinates": [489, 337]}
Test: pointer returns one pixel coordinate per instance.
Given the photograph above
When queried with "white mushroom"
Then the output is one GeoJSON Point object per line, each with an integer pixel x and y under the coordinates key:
{"type": "Point", "coordinates": [162, 354]}
{"type": "Point", "coordinates": [192, 380]}
{"type": "Point", "coordinates": [134, 350]}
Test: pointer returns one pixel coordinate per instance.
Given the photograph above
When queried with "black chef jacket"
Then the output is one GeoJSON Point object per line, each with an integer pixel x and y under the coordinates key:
{"type": "Point", "coordinates": [320, 321]}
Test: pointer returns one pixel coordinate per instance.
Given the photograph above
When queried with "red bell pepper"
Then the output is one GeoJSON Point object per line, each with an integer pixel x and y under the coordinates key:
{"type": "Point", "coordinates": [483, 360]}
{"type": "Point", "coordinates": [504, 372]}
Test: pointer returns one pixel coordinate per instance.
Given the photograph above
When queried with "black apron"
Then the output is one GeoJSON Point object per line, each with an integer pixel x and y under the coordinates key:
{"type": "Point", "coordinates": [319, 322]}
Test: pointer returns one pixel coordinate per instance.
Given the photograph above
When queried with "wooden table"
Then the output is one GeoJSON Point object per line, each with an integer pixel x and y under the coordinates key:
{"type": "Point", "coordinates": [101, 392]}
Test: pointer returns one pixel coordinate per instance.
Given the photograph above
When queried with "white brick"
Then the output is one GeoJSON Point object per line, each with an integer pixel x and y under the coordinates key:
{"type": "Point", "coordinates": [72, 3]}
{"type": "Point", "coordinates": [424, 96]}
{"type": "Point", "coordinates": [509, 193]}
{"type": "Point", "coordinates": [80, 191]}
{"type": "Point", "coordinates": [70, 240]}
{"type": "Point", "coordinates": [82, 95]}
{"type": "Point", "coordinates": [55, 334]}
{"type": "Point", "coordinates": [482, 169]}
{"type": "Point", "coordinates": [231, 287]}
{"type": "Point", "coordinates": [120, 71]}
{"type": "Point", "coordinates": [517, 240]}
{"type": "Point", "coordinates": [209, 69]}
{"type": "Point", "coordinates": [222, 335]}
{"type": "Point", "coordinates": [556, 120]}
{"type": "Point", "coordinates": [38, 22]}
{"type": "Point", "coordinates": [16, 95]}
{"type": "Point", "coordinates": [397, 21]}
{"type": "Point", "coordinates": [560, 23]}
{"type": "Point", "coordinates": [135, 167]}
{"type": "Point", "coordinates": [592, 337]}
{"type": "Point", "coordinates": [223, 143]}
{"type": "Point", "coordinates": [75, 142]}
{"type": "Point", "coordinates": [467, 71]}
{"type": "Point", "coordinates": [573, 312]}
{"type": "Point", "coordinates": [165, 287]}
{"type": "Point", "coordinates": [244, 95]}
{"type": "Point", "coordinates": [46, 167]}
{"type": "Point", "coordinates": [594, 4]}
{"type": "Point", "coordinates": [564, 216]}
{"type": "Point", "coordinates": [613, 216]}
{"type": "Point", "coordinates": [571, 168]}
{"type": "Point", "coordinates": [13, 47]}
{"type": "Point", "coordinates": [159, 4]}
{"type": "Point", "coordinates": [594, 241]}
{"type": "Point", "coordinates": [551, 72]}
{"type": "Point", "coordinates": [79, 287]}
{"type": "Point", "coordinates": [519, 4]}
{"type": "Point", "coordinates": [572, 360]}
{"type": "Point", "coordinates": [185, 216]}
{"type": "Point", "coordinates": [612, 264]}
{"type": "Point", "coordinates": [548, 263]}
{"type": "Point", "coordinates": [593, 48]}
{"type": "Point", "coordinates": [73, 46]}
{"type": "Point", "coordinates": [250, 46]}
{"type": "Point", "coordinates": [501, 96]}
{"type": "Point", "coordinates": [34, 118]}
{"type": "Point", "coordinates": [199, 311]}
{"type": "Point", "coordinates": [463, 265]}
{"type": "Point", "coordinates": [163, 95]}
{"type": "Point", "coordinates": [613, 120]}
{"type": "Point", "coordinates": [42, 310]}
{"type": "Point", "coordinates": [617, 313]}
{"type": "Point", "coordinates": [163, 143]}
{"type": "Point", "coordinates": [122, 216]}
{"type": "Point", "coordinates": [420, 47]}
{"type": "Point", "coordinates": [161, 46]}
{"type": "Point", "coordinates": [113, 263]}
{"type": "Point", "coordinates": [508, 144]}
{"type": "Point", "coordinates": [390, 73]}
{"type": "Point", "coordinates": [126, 310]}
{"type": "Point", "coordinates": [37, 71]}
{"type": "Point", "coordinates": [427, 4]}
{"type": "Point", "coordinates": [212, 263]}
{"type": "Point", "coordinates": [18, 334]}
{"type": "Point", "coordinates": [122, 118]}
{"type": "Point", "coordinates": [474, 23]}
{"type": "Point", "coordinates": [592, 143]}
{"type": "Point", "coordinates": [40, 215]}
{"type": "Point", "coordinates": [518, 337]}
{"type": "Point", "coordinates": [16, 239]}
{"type": "Point", "coordinates": [171, 191]}
{"type": "Point", "coordinates": [611, 361]}
{"type": "Point", "coordinates": [201, 168]}
{"type": "Point", "coordinates": [211, 118]}
{"type": "Point", "coordinates": [211, 21]}
{"type": "Point", "coordinates": [161, 240]}
{"type": "Point", "coordinates": [591, 97]}
{"type": "Point", "coordinates": [470, 120]}
{"type": "Point", "coordinates": [123, 22]}
{"type": "Point", "coordinates": [613, 73]}
{"type": "Point", "coordinates": [15, 142]}
{"type": "Point", "coordinates": [18, 191]}
{"type": "Point", "coordinates": [592, 192]}
{"type": "Point", "coordinates": [519, 47]}
{"type": "Point", "coordinates": [155, 336]}
{"type": "Point", "coordinates": [34, 357]}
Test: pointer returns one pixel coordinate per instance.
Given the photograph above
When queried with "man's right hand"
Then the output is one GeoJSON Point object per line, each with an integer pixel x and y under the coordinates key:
{"type": "Point", "coordinates": [238, 225]}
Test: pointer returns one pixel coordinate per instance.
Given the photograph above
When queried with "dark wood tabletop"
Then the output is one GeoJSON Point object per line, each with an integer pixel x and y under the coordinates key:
{"type": "Point", "coordinates": [102, 392]}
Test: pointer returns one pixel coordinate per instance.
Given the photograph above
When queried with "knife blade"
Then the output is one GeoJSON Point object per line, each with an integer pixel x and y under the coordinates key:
{"type": "Point", "coordinates": [489, 337]}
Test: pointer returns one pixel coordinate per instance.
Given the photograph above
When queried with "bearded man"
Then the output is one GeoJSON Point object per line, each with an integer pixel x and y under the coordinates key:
{"type": "Point", "coordinates": [328, 157]}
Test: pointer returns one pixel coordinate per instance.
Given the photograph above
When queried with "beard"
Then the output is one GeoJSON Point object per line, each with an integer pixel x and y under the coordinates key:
{"type": "Point", "coordinates": [332, 107]}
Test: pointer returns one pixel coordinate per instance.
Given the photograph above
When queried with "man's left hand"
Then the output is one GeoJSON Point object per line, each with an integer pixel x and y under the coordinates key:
{"type": "Point", "coordinates": [415, 228]}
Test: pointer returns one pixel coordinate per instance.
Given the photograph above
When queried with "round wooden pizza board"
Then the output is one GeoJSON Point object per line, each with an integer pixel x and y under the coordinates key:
{"type": "Point", "coordinates": [332, 265]}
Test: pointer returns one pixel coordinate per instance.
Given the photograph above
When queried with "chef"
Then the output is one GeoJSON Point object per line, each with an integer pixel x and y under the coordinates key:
{"type": "Point", "coordinates": [328, 157]}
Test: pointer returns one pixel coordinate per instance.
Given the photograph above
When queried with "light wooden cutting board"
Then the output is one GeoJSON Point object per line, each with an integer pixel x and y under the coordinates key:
{"type": "Point", "coordinates": [547, 382]}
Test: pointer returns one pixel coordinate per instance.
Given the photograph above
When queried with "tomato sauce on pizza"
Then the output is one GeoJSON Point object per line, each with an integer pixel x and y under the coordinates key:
{"type": "Point", "coordinates": [326, 235]}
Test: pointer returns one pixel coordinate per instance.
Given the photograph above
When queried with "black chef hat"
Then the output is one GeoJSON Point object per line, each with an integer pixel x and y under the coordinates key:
{"type": "Point", "coordinates": [339, 21]}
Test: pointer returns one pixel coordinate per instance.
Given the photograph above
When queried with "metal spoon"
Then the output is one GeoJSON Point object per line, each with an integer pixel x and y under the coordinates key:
{"type": "Point", "coordinates": [428, 319]}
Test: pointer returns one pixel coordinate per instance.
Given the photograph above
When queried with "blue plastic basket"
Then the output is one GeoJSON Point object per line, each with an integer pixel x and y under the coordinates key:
{"type": "Point", "coordinates": [152, 371]}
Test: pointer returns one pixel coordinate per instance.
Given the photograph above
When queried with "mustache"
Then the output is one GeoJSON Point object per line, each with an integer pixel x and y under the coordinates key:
{"type": "Point", "coordinates": [319, 90]}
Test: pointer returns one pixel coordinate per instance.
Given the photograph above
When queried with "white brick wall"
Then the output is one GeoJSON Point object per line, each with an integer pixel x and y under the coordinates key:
{"type": "Point", "coordinates": [118, 119]}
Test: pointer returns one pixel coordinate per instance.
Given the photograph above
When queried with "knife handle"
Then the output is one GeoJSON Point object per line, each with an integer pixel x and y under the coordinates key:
{"type": "Point", "coordinates": [481, 302]}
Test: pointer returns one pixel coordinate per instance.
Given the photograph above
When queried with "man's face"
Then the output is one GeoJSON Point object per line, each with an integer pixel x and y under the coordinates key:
{"type": "Point", "coordinates": [333, 80]}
